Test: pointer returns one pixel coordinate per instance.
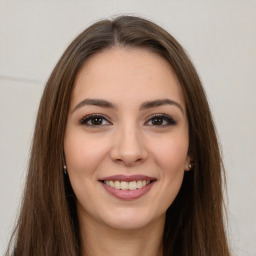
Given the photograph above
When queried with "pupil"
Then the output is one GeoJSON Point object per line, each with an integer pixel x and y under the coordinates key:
{"type": "Point", "coordinates": [97, 121]}
{"type": "Point", "coordinates": [157, 121]}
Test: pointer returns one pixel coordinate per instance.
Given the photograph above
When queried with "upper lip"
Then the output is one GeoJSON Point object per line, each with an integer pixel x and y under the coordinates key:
{"type": "Point", "coordinates": [128, 178]}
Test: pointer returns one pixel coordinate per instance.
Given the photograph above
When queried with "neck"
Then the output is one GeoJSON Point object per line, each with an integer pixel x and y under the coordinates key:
{"type": "Point", "coordinates": [99, 239]}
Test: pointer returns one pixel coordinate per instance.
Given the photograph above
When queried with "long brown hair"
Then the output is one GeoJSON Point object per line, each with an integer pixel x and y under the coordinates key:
{"type": "Point", "coordinates": [48, 223]}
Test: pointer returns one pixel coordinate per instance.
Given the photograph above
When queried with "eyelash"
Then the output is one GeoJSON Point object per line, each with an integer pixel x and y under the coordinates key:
{"type": "Point", "coordinates": [86, 119]}
{"type": "Point", "coordinates": [169, 120]}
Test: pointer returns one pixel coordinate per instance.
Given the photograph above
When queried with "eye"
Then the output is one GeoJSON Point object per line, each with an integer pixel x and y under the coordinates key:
{"type": "Point", "coordinates": [94, 120]}
{"type": "Point", "coordinates": [160, 120]}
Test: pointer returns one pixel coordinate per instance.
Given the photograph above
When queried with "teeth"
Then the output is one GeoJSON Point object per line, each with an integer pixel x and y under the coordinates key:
{"type": "Point", "coordinates": [139, 184]}
{"type": "Point", "coordinates": [132, 185]}
{"type": "Point", "coordinates": [123, 185]}
{"type": "Point", "coordinates": [117, 184]}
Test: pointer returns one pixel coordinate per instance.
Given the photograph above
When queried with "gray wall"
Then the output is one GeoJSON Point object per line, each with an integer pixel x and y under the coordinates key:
{"type": "Point", "coordinates": [220, 37]}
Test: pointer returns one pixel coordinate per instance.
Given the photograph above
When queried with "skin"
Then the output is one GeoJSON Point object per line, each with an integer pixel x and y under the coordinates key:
{"type": "Point", "coordinates": [127, 141]}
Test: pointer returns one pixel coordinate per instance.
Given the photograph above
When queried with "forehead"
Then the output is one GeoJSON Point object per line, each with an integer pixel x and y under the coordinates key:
{"type": "Point", "coordinates": [118, 74]}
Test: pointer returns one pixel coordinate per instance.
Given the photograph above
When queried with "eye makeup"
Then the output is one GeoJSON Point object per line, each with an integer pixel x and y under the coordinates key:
{"type": "Point", "coordinates": [160, 120]}
{"type": "Point", "coordinates": [95, 120]}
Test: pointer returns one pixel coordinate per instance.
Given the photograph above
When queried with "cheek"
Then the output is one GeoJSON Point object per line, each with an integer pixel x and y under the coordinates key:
{"type": "Point", "coordinates": [171, 154]}
{"type": "Point", "coordinates": [84, 153]}
{"type": "Point", "coordinates": [171, 157]}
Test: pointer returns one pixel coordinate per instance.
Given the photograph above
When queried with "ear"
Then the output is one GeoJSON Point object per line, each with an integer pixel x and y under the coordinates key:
{"type": "Point", "coordinates": [188, 163]}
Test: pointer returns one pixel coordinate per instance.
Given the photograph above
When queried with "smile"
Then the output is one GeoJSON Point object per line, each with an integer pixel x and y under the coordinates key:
{"type": "Point", "coordinates": [124, 185]}
{"type": "Point", "coordinates": [128, 187]}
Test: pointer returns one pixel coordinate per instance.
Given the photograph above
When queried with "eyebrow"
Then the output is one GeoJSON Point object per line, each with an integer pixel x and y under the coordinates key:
{"type": "Point", "coordinates": [160, 102]}
{"type": "Point", "coordinates": [146, 105]}
{"type": "Point", "coordinates": [94, 102]}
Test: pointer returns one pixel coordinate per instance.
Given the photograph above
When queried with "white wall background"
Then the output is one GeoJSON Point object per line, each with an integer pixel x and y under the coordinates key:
{"type": "Point", "coordinates": [220, 37]}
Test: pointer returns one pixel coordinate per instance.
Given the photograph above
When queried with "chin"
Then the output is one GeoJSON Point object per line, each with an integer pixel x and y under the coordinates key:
{"type": "Point", "coordinates": [130, 219]}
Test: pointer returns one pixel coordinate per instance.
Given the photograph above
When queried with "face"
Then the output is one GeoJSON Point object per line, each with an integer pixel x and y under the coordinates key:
{"type": "Point", "coordinates": [126, 140]}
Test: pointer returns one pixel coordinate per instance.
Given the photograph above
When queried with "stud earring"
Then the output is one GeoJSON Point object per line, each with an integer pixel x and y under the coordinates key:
{"type": "Point", "coordinates": [65, 169]}
{"type": "Point", "coordinates": [190, 166]}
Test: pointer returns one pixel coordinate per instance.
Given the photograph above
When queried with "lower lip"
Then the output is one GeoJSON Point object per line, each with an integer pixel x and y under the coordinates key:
{"type": "Point", "coordinates": [128, 194]}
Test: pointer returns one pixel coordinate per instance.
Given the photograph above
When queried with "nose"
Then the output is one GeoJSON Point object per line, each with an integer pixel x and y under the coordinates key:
{"type": "Point", "coordinates": [128, 147]}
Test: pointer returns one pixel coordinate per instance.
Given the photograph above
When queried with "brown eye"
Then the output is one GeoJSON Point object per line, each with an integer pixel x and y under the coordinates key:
{"type": "Point", "coordinates": [161, 120]}
{"type": "Point", "coordinates": [94, 120]}
{"type": "Point", "coordinates": [157, 121]}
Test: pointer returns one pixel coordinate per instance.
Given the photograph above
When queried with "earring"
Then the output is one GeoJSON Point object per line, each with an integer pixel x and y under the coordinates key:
{"type": "Point", "coordinates": [190, 166]}
{"type": "Point", "coordinates": [65, 169]}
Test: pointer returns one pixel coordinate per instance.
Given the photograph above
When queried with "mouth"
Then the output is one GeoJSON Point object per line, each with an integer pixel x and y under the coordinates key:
{"type": "Point", "coordinates": [124, 185]}
{"type": "Point", "coordinates": [128, 187]}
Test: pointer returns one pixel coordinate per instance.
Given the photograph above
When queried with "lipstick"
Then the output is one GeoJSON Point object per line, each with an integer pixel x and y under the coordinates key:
{"type": "Point", "coordinates": [127, 187]}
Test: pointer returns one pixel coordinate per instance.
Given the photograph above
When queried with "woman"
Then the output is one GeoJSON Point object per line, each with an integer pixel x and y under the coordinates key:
{"type": "Point", "coordinates": [125, 159]}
